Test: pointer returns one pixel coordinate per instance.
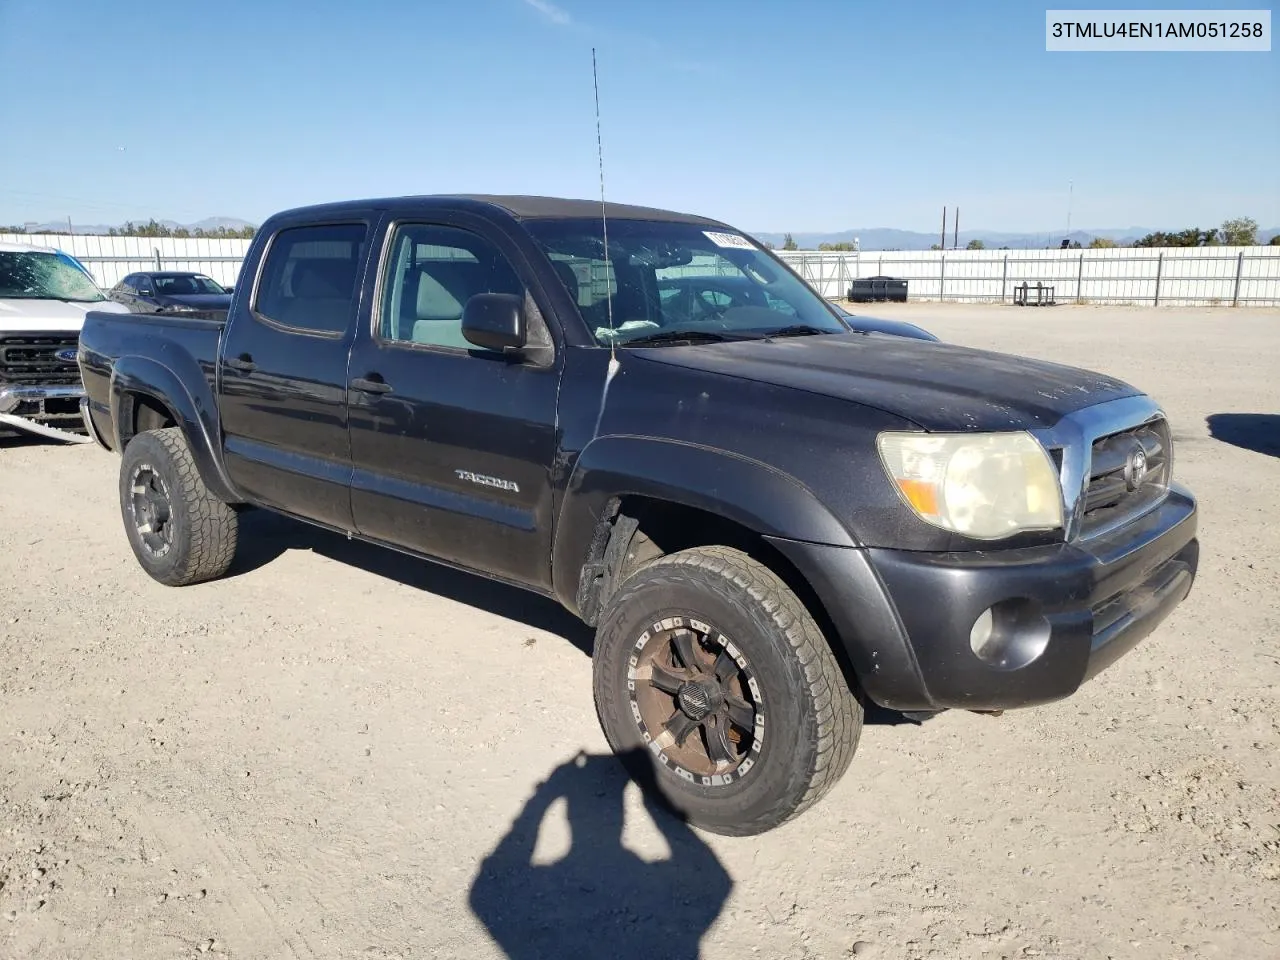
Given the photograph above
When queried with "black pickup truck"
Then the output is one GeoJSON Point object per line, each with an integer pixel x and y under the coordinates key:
{"type": "Point", "coordinates": [769, 516]}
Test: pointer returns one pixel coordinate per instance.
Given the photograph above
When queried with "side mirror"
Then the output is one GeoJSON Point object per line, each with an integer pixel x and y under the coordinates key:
{"type": "Point", "coordinates": [495, 321]}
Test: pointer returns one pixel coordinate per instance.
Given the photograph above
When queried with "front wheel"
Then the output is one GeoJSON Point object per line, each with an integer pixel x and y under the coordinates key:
{"type": "Point", "coordinates": [707, 659]}
{"type": "Point", "coordinates": [179, 531]}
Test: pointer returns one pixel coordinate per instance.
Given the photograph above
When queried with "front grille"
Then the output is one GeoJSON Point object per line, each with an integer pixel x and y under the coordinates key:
{"type": "Point", "coordinates": [1123, 484]}
{"type": "Point", "coordinates": [32, 358]}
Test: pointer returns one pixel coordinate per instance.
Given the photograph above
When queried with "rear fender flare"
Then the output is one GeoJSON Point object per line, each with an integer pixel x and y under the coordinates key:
{"type": "Point", "coordinates": [752, 494]}
{"type": "Point", "coordinates": [176, 382]}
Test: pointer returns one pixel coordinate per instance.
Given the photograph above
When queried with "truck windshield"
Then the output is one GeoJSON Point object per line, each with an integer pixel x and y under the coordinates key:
{"type": "Point", "coordinates": [40, 275]}
{"type": "Point", "coordinates": [665, 278]}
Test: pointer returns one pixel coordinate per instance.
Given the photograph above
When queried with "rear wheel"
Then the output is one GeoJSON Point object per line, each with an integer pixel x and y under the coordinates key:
{"type": "Point", "coordinates": [180, 533]}
{"type": "Point", "coordinates": [706, 658]}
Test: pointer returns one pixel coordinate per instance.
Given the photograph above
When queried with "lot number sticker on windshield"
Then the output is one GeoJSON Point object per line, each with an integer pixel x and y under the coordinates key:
{"type": "Point", "coordinates": [731, 240]}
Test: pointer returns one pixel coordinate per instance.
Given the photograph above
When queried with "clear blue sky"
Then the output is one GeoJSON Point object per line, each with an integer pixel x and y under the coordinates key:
{"type": "Point", "coordinates": [771, 114]}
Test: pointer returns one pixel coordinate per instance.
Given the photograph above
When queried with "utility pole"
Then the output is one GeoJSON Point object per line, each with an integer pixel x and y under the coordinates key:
{"type": "Point", "coordinates": [943, 244]}
{"type": "Point", "coordinates": [956, 244]}
{"type": "Point", "coordinates": [69, 229]}
{"type": "Point", "coordinates": [1071, 187]}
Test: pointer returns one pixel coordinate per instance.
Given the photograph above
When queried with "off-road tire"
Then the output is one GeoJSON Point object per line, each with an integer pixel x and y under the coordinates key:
{"type": "Point", "coordinates": [813, 718]}
{"type": "Point", "coordinates": [204, 529]}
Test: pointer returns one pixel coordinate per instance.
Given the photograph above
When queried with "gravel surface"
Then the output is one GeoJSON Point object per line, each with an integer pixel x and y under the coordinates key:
{"type": "Point", "coordinates": [343, 752]}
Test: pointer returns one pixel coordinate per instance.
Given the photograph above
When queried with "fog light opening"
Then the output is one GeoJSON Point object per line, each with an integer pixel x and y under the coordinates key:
{"type": "Point", "coordinates": [1010, 635]}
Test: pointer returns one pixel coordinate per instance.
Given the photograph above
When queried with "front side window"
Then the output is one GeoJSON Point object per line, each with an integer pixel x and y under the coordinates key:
{"type": "Point", "coordinates": [431, 274]}
{"type": "Point", "coordinates": [41, 275]}
{"type": "Point", "coordinates": [311, 277]}
{"type": "Point", "coordinates": [671, 278]}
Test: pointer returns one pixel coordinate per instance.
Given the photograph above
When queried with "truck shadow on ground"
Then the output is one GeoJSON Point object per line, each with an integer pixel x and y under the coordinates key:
{"type": "Point", "coordinates": [265, 536]}
{"type": "Point", "coordinates": [599, 899]}
{"type": "Point", "coordinates": [1259, 432]}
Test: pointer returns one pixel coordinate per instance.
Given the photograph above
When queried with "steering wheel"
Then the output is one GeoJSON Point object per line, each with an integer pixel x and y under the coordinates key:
{"type": "Point", "coordinates": [703, 304]}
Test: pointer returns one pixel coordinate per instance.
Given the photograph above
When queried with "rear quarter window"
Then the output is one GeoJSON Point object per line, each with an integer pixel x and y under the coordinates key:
{"type": "Point", "coordinates": [311, 277]}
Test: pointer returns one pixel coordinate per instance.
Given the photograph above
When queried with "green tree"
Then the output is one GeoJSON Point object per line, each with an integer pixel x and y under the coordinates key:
{"type": "Point", "coordinates": [975, 244]}
{"type": "Point", "coordinates": [934, 246]}
{"type": "Point", "coordinates": [1191, 237]}
{"type": "Point", "coordinates": [789, 243]}
{"type": "Point", "coordinates": [1275, 241]}
{"type": "Point", "coordinates": [1241, 232]}
{"type": "Point", "coordinates": [1101, 243]}
{"type": "Point", "coordinates": [842, 246]}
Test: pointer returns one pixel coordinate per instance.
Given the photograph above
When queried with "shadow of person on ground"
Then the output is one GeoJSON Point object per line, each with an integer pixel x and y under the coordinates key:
{"type": "Point", "coordinates": [264, 536]}
{"type": "Point", "coordinates": [601, 899]}
{"type": "Point", "coordinates": [1259, 432]}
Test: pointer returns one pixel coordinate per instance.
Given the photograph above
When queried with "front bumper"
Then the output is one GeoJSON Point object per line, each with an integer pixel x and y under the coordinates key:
{"type": "Point", "coordinates": [48, 410]}
{"type": "Point", "coordinates": [30, 399]}
{"type": "Point", "coordinates": [904, 619]}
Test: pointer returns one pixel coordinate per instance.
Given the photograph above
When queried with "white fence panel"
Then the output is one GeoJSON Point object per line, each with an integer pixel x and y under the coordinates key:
{"type": "Point", "coordinates": [1186, 276]}
{"type": "Point", "coordinates": [110, 259]}
{"type": "Point", "coordinates": [1205, 276]}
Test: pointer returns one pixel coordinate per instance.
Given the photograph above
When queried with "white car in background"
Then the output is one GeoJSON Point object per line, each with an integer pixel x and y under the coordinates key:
{"type": "Point", "coordinates": [44, 295]}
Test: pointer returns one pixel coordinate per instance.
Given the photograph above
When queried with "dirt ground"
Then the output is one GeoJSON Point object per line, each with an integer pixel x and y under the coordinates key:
{"type": "Point", "coordinates": [340, 752]}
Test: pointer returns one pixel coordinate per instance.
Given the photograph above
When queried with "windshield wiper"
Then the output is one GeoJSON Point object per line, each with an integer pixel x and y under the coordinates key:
{"type": "Point", "coordinates": [797, 330]}
{"type": "Point", "coordinates": [678, 336]}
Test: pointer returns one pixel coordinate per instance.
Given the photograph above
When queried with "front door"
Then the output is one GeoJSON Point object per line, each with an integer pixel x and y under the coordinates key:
{"type": "Point", "coordinates": [284, 373]}
{"type": "Point", "coordinates": [452, 445]}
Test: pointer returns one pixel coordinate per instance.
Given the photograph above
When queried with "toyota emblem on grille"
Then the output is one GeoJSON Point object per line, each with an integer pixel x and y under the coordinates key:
{"type": "Point", "coordinates": [67, 356]}
{"type": "Point", "coordinates": [1135, 469]}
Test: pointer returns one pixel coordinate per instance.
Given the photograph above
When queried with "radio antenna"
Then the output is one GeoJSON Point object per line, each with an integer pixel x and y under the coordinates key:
{"type": "Point", "coordinates": [604, 212]}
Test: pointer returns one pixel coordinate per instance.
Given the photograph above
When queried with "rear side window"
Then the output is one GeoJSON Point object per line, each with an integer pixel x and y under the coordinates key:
{"type": "Point", "coordinates": [311, 277]}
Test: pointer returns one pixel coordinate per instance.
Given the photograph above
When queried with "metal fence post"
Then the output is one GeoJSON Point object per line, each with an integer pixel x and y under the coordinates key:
{"type": "Point", "coordinates": [1235, 296]}
{"type": "Point", "coordinates": [1004, 276]}
{"type": "Point", "coordinates": [942, 279]}
{"type": "Point", "coordinates": [1080, 279]}
{"type": "Point", "coordinates": [1159, 270]}
{"type": "Point", "coordinates": [156, 251]}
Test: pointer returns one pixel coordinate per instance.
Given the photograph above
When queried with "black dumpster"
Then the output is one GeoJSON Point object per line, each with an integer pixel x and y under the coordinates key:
{"type": "Point", "coordinates": [877, 288]}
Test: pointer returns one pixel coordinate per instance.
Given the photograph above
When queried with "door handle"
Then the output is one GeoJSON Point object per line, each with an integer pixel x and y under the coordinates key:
{"type": "Point", "coordinates": [369, 385]}
{"type": "Point", "coordinates": [244, 362]}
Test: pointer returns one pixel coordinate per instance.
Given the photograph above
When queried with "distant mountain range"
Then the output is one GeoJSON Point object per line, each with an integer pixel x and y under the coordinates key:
{"type": "Point", "coordinates": [209, 223]}
{"type": "Point", "coordinates": [887, 238]}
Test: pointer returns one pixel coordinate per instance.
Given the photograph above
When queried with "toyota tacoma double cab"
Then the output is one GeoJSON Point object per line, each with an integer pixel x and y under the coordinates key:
{"type": "Point", "coordinates": [770, 517]}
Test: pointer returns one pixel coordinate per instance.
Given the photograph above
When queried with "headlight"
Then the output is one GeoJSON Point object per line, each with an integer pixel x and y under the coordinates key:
{"type": "Point", "coordinates": [181, 308]}
{"type": "Point", "coordinates": [982, 485]}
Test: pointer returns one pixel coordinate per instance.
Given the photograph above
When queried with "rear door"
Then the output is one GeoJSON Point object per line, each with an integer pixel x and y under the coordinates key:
{"type": "Point", "coordinates": [452, 445]}
{"type": "Point", "coordinates": [283, 371]}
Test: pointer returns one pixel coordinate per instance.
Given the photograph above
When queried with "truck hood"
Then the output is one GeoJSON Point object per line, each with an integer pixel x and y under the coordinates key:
{"type": "Point", "coordinates": [939, 386]}
{"type": "Point", "coordinates": [20, 315]}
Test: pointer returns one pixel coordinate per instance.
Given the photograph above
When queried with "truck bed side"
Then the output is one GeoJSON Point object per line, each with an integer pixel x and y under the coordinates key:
{"type": "Point", "coordinates": [142, 372]}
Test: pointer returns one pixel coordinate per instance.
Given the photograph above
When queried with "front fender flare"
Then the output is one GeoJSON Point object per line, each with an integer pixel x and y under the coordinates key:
{"type": "Point", "coordinates": [174, 380]}
{"type": "Point", "coordinates": [753, 494]}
